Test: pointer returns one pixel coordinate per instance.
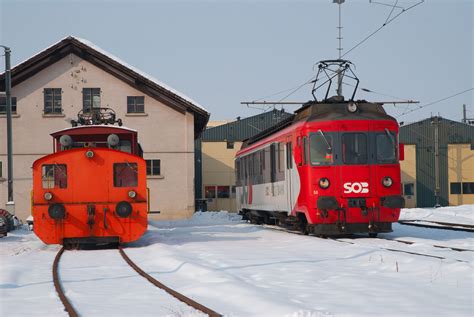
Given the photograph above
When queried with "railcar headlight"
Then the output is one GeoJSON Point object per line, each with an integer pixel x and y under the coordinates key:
{"type": "Point", "coordinates": [324, 183]}
{"type": "Point", "coordinates": [132, 194]}
{"type": "Point", "coordinates": [123, 209]}
{"type": "Point", "coordinates": [90, 154]}
{"type": "Point", "coordinates": [48, 196]}
{"type": "Point", "coordinates": [57, 211]}
{"type": "Point", "coordinates": [352, 107]}
{"type": "Point", "coordinates": [387, 181]}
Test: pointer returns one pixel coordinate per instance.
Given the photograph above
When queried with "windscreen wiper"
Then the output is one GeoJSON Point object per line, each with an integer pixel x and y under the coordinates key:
{"type": "Point", "coordinates": [326, 140]}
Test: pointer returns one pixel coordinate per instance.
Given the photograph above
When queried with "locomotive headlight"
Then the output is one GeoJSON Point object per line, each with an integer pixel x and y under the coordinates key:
{"type": "Point", "coordinates": [90, 154]}
{"type": "Point", "coordinates": [352, 107]}
{"type": "Point", "coordinates": [324, 183]}
{"type": "Point", "coordinates": [48, 196]}
{"type": "Point", "coordinates": [132, 194]}
{"type": "Point", "coordinates": [387, 181]}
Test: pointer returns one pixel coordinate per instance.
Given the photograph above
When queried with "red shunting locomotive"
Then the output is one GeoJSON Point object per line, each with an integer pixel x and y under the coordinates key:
{"type": "Point", "coordinates": [332, 168]}
{"type": "Point", "coordinates": [92, 189]}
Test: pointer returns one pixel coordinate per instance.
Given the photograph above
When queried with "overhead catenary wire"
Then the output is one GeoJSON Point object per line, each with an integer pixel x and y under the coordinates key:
{"type": "Point", "coordinates": [387, 22]}
{"type": "Point", "coordinates": [434, 102]}
{"type": "Point", "coordinates": [375, 92]}
{"type": "Point", "coordinates": [292, 90]}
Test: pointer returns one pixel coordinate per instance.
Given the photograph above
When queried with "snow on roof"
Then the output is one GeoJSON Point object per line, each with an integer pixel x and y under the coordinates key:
{"type": "Point", "coordinates": [96, 126]}
{"type": "Point", "coordinates": [136, 70]}
{"type": "Point", "coordinates": [123, 63]}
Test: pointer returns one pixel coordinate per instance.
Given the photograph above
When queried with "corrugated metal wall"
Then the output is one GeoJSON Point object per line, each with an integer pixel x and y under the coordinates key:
{"type": "Point", "coordinates": [422, 134]}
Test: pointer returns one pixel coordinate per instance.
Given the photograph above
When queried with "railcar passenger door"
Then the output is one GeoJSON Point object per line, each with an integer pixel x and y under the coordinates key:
{"type": "Point", "coordinates": [289, 172]}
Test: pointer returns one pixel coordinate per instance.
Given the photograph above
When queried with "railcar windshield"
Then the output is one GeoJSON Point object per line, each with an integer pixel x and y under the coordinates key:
{"type": "Point", "coordinates": [354, 148]}
{"type": "Point", "coordinates": [54, 176]}
{"type": "Point", "coordinates": [321, 148]}
{"type": "Point", "coordinates": [386, 147]}
{"type": "Point", "coordinates": [125, 174]}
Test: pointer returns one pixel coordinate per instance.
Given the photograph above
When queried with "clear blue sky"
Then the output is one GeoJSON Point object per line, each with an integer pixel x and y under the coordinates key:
{"type": "Point", "coordinates": [223, 52]}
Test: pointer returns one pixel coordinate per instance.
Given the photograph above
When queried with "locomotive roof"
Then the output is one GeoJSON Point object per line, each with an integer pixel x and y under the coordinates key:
{"type": "Point", "coordinates": [328, 110]}
{"type": "Point", "coordinates": [106, 128]}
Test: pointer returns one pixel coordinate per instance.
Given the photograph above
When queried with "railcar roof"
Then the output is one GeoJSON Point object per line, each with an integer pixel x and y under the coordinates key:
{"type": "Point", "coordinates": [328, 110]}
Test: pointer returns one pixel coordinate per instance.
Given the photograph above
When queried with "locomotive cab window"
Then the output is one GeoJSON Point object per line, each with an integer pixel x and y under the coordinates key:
{"type": "Point", "coordinates": [321, 149]}
{"type": "Point", "coordinates": [354, 148]}
{"type": "Point", "coordinates": [386, 147]}
{"type": "Point", "coordinates": [125, 174]}
{"type": "Point", "coordinates": [54, 176]}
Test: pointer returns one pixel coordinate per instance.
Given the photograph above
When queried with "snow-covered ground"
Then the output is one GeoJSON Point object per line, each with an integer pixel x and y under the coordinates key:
{"type": "Point", "coordinates": [460, 214]}
{"type": "Point", "coordinates": [238, 269]}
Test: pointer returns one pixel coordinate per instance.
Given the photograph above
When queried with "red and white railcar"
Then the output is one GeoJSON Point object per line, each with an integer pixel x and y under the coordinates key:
{"type": "Point", "coordinates": [332, 168]}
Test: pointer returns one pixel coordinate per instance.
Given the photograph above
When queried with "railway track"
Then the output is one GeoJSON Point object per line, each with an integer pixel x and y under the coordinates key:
{"type": "Point", "coordinates": [412, 252]}
{"type": "Point", "coordinates": [70, 309]}
{"type": "Point", "coordinates": [437, 225]}
{"type": "Point", "coordinates": [276, 228]}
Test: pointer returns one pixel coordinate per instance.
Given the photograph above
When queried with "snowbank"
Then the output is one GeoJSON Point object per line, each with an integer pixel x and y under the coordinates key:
{"type": "Point", "coordinates": [458, 214]}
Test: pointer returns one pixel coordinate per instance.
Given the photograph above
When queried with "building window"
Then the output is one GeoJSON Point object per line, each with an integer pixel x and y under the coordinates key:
{"type": "Point", "coordinates": [52, 100]}
{"type": "Point", "coordinates": [210, 192]}
{"type": "Point", "coordinates": [468, 188]}
{"type": "Point", "coordinates": [135, 104]}
{"type": "Point", "coordinates": [90, 99]}
{"type": "Point", "coordinates": [232, 192]}
{"type": "Point", "coordinates": [230, 145]}
{"type": "Point", "coordinates": [223, 192]}
{"type": "Point", "coordinates": [153, 167]}
{"type": "Point", "coordinates": [409, 189]}
{"type": "Point", "coordinates": [455, 188]}
{"type": "Point", "coordinates": [1, 169]}
{"type": "Point", "coordinates": [3, 105]}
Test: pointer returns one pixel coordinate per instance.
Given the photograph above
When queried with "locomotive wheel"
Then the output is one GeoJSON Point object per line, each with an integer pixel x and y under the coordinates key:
{"type": "Point", "coordinates": [304, 229]}
{"type": "Point", "coordinates": [303, 224]}
{"type": "Point", "coordinates": [373, 235]}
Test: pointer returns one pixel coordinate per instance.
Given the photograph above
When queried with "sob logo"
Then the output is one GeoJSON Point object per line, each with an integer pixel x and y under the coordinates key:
{"type": "Point", "coordinates": [357, 188]}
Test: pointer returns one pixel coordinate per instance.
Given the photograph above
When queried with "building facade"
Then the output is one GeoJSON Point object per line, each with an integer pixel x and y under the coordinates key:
{"type": "Point", "coordinates": [439, 153]}
{"type": "Point", "coordinates": [50, 88]}
{"type": "Point", "coordinates": [215, 154]}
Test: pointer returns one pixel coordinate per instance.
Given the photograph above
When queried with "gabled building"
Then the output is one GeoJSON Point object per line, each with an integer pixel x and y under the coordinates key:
{"type": "Point", "coordinates": [50, 88]}
{"type": "Point", "coordinates": [451, 165]}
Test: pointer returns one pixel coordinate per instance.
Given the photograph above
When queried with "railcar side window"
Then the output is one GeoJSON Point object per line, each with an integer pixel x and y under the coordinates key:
{"type": "Point", "coordinates": [125, 174]}
{"type": "Point", "coordinates": [320, 152]}
{"type": "Point", "coordinates": [354, 148]}
{"type": "Point", "coordinates": [305, 151]}
{"type": "Point", "coordinates": [386, 148]}
{"type": "Point", "coordinates": [54, 176]}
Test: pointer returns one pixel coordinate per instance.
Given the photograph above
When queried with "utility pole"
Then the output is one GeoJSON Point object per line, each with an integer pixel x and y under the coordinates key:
{"type": "Point", "coordinates": [339, 38]}
{"type": "Point", "coordinates": [8, 85]}
{"type": "Point", "coordinates": [464, 115]}
{"type": "Point", "coordinates": [435, 121]}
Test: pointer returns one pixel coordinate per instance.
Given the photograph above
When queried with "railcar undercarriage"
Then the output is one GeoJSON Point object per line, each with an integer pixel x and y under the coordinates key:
{"type": "Point", "coordinates": [300, 223]}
